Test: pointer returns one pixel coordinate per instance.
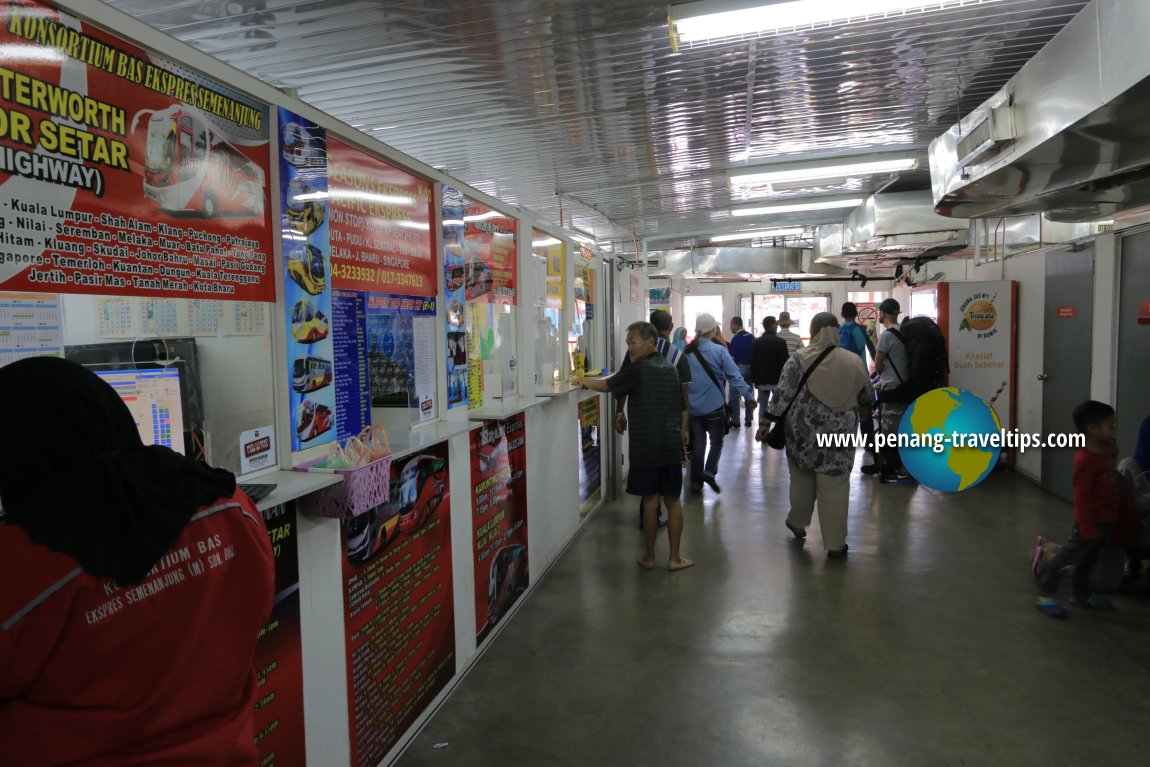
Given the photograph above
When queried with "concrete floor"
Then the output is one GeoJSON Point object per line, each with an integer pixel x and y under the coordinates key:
{"type": "Point", "coordinates": [921, 648]}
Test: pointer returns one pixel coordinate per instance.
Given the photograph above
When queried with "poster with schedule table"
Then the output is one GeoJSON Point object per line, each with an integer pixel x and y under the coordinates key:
{"type": "Point", "coordinates": [31, 325]}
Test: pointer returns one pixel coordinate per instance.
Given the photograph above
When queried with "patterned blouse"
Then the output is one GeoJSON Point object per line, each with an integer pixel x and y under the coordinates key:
{"type": "Point", "coordinates": [809, 417]}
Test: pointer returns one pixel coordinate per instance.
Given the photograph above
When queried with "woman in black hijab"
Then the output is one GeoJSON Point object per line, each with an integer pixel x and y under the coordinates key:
{"type": "Point", "coordinates": [124, 570]}
{"type": "Point", "coordinates": [76, 476]}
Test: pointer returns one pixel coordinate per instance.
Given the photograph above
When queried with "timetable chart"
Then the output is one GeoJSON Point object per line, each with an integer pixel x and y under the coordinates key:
{"type": "Point", "coordinates": [30, 326]}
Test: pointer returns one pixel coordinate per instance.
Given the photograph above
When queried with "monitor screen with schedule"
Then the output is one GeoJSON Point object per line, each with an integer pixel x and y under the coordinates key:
{"type": "Point", "coordinates": [153, 396]}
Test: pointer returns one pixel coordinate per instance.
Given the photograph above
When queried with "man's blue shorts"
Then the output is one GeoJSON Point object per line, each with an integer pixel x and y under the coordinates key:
{"type": "Point", "coordinates": [666, 481]}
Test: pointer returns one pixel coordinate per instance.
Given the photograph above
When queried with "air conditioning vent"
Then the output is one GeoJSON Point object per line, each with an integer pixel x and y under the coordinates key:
{"type": "Point", "coordinates": [984, 139]}
{"type": "Point", "coordinates": [654, 264]}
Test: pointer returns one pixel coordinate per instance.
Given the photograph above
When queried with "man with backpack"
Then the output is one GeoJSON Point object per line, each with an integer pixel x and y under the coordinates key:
{"type": "Point", "coordinates": [892, 363]}
{"type": "Point", "coordinates": [911, 361]}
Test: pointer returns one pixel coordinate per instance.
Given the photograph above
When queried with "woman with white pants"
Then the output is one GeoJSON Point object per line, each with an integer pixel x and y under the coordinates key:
{"type": "Point", "coordinates": [826, 405]}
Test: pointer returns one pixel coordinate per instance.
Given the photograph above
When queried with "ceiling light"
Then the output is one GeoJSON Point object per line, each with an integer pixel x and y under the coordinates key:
{"type": "Point", "coordinates": [799, 207]}
{"type": "Point", "coordinates": [814, 171]}
{"type": "Point", "coordinates": [715, 20]}
{"type": "Point", "coordinates": [758, 235]}
{"type": "Point", "coordinates": [485, 216]}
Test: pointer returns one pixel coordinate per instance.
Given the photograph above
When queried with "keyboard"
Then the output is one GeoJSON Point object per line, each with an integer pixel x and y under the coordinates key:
{"type": "Point", "coordinates": [257, 492]}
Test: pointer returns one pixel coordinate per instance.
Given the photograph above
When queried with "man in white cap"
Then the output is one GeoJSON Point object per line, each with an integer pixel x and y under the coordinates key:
{"type": "Point", "coordinates": [794, 342]}
{"type": "Point", "coordinates": [711, 369]}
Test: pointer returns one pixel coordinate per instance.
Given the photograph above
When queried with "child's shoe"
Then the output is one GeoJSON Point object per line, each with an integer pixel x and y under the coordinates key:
{"type": "Point", "coordinates": [1093, 601]}
{"type": "Point", "coordinates": [1037, 566]}
{"type": "Point", "coordinates": [1050, 606]}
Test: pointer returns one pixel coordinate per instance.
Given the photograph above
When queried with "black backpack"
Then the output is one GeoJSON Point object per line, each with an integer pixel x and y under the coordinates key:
{"type": "Point", "coordinates": [928, 360]}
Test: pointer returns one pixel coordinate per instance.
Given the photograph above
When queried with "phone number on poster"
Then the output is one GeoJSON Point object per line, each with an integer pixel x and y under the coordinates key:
{"type": "Point", "coordinates": [365, 274]}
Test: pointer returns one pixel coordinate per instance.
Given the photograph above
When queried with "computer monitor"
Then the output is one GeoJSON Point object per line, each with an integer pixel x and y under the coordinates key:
{"type": "Point", "coordinates": [144, 354]}
{"type": "Point", "coordinates": [153, 396]}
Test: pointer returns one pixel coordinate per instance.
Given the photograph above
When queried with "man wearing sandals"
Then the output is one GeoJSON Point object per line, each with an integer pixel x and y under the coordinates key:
{"type": "Point", "coordinates": [657, 415]}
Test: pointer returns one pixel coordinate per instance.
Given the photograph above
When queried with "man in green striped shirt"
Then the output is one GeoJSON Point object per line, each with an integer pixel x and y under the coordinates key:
{"type": "Point", "coordinates": [657, 419]}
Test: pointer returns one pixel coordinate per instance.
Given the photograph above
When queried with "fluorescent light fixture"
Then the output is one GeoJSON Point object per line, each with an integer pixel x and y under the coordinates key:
{"type": "Point", "coordinates": [546, 243]}
{"type": "Point", "coordinates": [582, 239]}
{"type": "Point", "coordinates": [382, 199]}
{"type": "Point", "coordinates": [485, 216]}
{"type": "Point", "coordinates": [715, 20]}
{"type": "Point", "coordinates": [763, 234]}
{"type": "Point", "coordinates": [799, 207]}
{"type": "Point", "coordinates": [815, 171]}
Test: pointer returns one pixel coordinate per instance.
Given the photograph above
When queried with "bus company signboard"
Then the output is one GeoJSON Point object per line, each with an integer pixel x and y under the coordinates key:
{"type": "Point", "coordinates": [380, 227]}
{"type": "Point", "coordinates": [123, 173]}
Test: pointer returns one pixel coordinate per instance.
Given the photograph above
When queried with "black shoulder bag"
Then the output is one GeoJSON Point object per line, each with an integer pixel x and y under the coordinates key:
{"type": "Point", "coordinates": [726, 408]}
{"type": "Point", "coordinates": [777, 436]}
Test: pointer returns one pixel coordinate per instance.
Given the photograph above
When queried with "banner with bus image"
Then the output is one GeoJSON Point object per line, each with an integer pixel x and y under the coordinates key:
{"type": "Point", "coordinates": [312, 322]}
{"type": "Point", "coordinates": [123, 173]}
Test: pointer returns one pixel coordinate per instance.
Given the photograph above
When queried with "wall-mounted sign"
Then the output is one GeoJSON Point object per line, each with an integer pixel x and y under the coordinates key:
{"type": "Point", "coordinates": [785, 287]}
{"type": "Point", "coordinates": [1066, 312]}
{"type": "Point", "coordinates": [312, 318]}
{"type": "Point", "coordinates": [380, 228]}
{"type": "Point", "coordinates": [124, 173]}
{"type": "Point", "coordinates": [499, 482]}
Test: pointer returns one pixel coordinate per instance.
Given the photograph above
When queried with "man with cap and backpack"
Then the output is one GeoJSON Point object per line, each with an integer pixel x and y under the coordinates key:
{"type": "Point", "coordinates": [911, 360]}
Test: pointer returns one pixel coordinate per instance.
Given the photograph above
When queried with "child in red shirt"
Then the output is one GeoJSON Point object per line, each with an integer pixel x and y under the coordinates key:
{"type": "Point", "coordinates": [1098, 506]}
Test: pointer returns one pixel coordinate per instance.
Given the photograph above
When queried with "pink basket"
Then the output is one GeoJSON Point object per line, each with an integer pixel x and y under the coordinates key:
{"type": "Point", "coordinates": [362, 489]}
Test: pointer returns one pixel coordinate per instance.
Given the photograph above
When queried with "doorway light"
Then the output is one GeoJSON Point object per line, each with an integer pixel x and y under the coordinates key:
{"type": "Point", "coordinates": [758, 235]}
{"type": "Point", "coordinates": [716, 20]}
{"type": "Point", "coordinates": [799, 207]}
{"type": "Point", "coordinates": [815, 171]}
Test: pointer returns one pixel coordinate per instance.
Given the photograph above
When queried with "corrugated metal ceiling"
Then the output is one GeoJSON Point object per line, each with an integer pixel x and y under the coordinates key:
{"type": "Point", "coordinates": [581, 109]}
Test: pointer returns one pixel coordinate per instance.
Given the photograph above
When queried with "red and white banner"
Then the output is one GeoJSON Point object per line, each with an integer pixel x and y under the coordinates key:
{"type": "Point", "coordinates": [380, 229]}
{"type": "Point", "coordinates": [123, 173]}
{"type": "Point", "coordinates": [499, 482]}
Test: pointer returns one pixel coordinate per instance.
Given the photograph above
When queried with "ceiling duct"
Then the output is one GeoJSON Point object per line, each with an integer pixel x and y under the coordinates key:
{"type": "Point", "coordinates": [890, 228]}
{"type": "Point", "coordinates": [737, 261]}
{"type": "Point", "coordinates": [1067, 135]}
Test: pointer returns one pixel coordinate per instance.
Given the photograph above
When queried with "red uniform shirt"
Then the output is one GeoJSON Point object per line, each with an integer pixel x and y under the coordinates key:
{"type": "Point", "coordinates": [1098, 492]}
{"type": "Point", "coordinates": [158, 673]}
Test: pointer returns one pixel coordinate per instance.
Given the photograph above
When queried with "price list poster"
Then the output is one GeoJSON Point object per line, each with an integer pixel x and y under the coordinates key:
{"type": "Point", "coordinates": [279, 717]}
{"type": "Point", "coordinates": [499, 481]}
{"type": "Point", "coordinates": [398, 605]}
{"type": "Point", "coordinates": [123, 173]}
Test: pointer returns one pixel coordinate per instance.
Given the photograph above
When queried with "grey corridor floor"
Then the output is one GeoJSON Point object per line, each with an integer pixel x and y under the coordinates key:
{"type": "Point", "coordinates": [921, 648]}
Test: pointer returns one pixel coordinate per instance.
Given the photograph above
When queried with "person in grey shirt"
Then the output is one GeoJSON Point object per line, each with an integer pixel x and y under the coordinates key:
{"type": "Point", "coordinates": [893, 365]}
{"type": "Point", "coordinates": [794, 342]}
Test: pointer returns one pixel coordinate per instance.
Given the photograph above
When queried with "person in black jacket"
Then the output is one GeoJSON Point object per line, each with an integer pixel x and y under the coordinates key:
{"type": "Point", "coordinates": [768, 355]}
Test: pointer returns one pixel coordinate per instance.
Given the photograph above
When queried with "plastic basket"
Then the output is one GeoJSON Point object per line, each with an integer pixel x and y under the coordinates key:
{"type": "Point", "coordinates": [362, 489]}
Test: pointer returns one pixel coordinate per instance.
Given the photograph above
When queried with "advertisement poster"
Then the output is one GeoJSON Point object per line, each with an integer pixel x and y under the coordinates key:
{"type": "Point", "coordinates": [398, 605]}
{"type": "Point", "coordinates": [307, 290]}
{"type": "Point", "coordinates": [981, 343]}
{"type": "Point", "coordinates": [499, 479]}
{"type": "Point", "coordinates": [479, 250]}
{"type": "Point", "coordinates": [398, 373]}
{"type": "Point", "coordinates": [349, 346]}
{"type": "Point", "coordinates": [456, 296]}
{"type": "Point", "coordinates": [124, 173]}
{"type": "Point", "coordinates": [660, 299]}
{"type": "Point", "coordinates": [590, 460]}
{"type": "Point", "coordinates": [380, 228]}
{"type": "Point", "coordinates": [279, 726]}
